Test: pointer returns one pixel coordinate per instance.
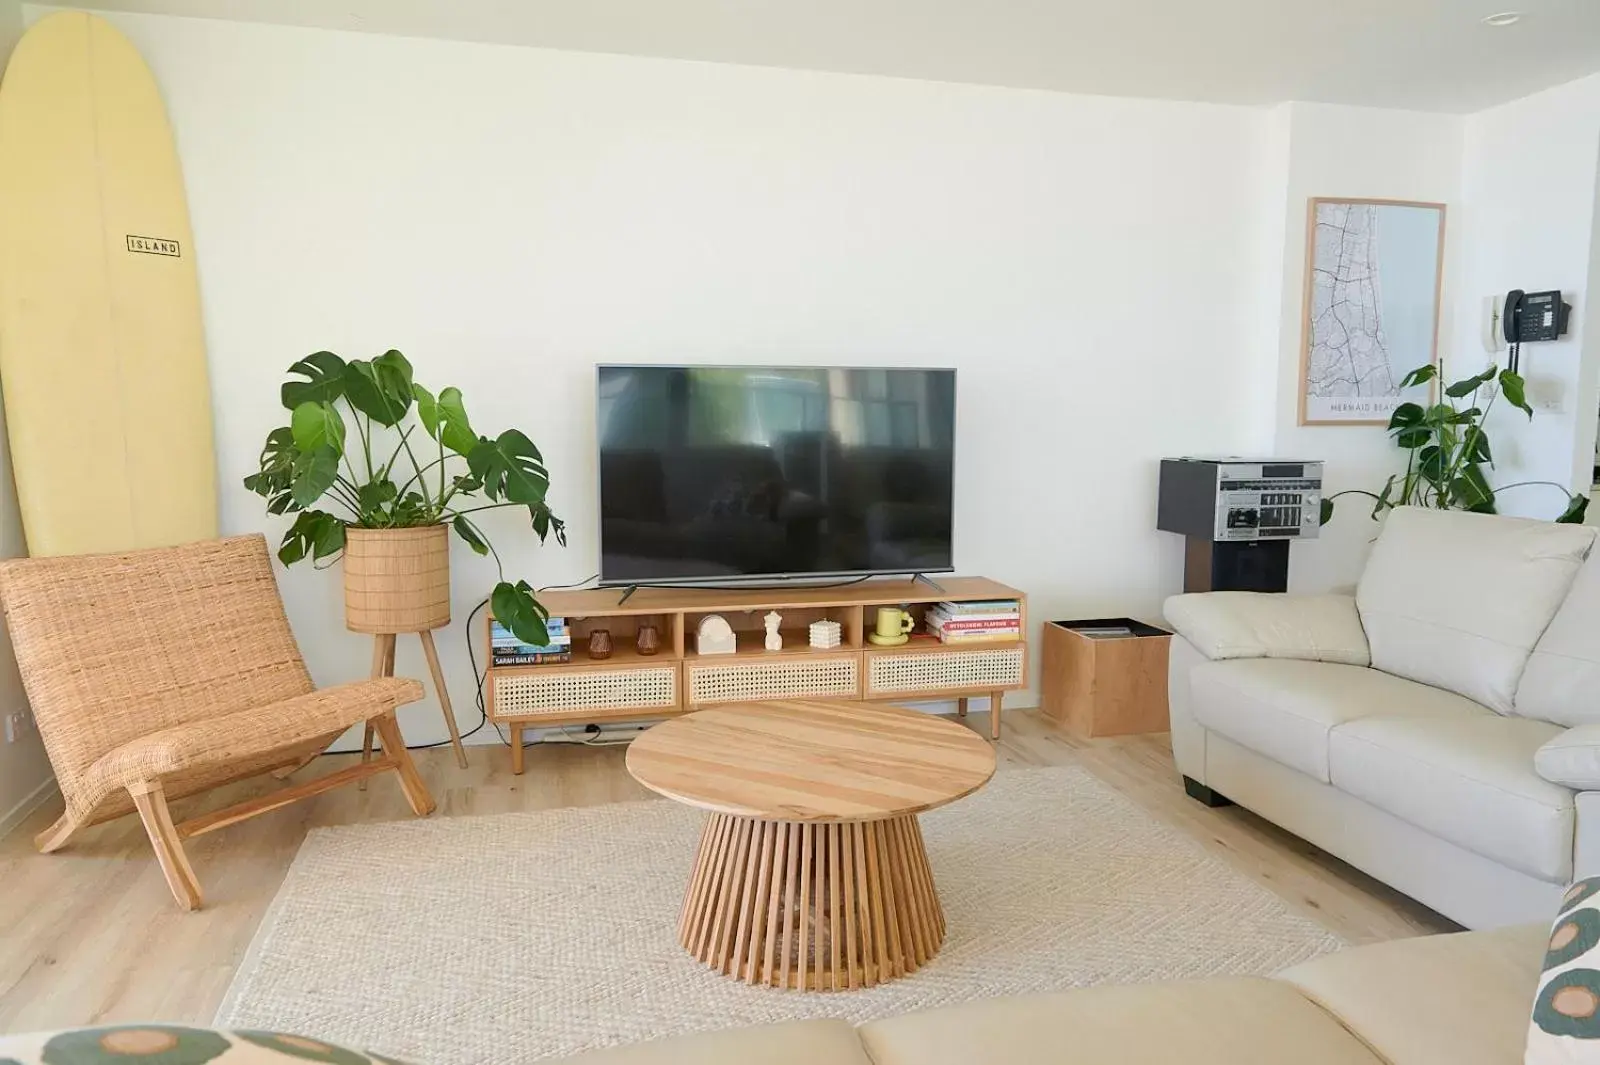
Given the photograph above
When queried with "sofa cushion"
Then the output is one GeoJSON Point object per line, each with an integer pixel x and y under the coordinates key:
{"type": "Point", "coordinates": [1286, 709]}
{"type": "Point", "coordinates": [1461, 999]}
{"type": "Point", "coordinates": [1562, 680]}
{"type": "Point", "coordinates": [1458, 600]}
{"type": "Point", "coordinates": [1571, 759]}
{"type": "Point", "coordinates": [1319, 628]}
{"type": "Point", "coordinates": [1237, 1021]}
{"type": "Point", "coordinates": [1468, 779]}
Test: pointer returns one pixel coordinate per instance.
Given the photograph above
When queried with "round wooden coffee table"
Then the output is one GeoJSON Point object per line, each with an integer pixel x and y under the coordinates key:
{"type": "Point", "coordinates": [811, 872]}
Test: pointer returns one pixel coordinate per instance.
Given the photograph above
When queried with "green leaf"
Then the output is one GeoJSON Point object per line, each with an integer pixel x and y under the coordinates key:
{"type": "Point", "coordinates": [314, 473]}
{"type": "Point", "coordinates": [510, 467]}
{"type": "Point", "coordinates": [380, 389]}
{"type": "Point", "coordinates": [1515, 389]}
{"type": "Point", "coordinates": [469, 532]}
{"type": "Point", "coordinates": [445, 419]}
{"type": "Point", "coordinates": [324, 380]}
{"type": "Point", "coordinates": [514, 606]}
{"type": "Point", "coordinates": [1469, 385]}
{"type": "Point", "coordinates": [1405, 416]}
{"type": "Point", "coordinates": [1431, 464]}
{"type": "Point", "coordinates": [1420, 376]}
{"type": "Point", "coordinates": [427, 410]}
{"type": "Point", "coordinates": [1470, 491]}
{"type": "Point", "coordinates": [1382, 503]}
{"type": "Point", "coordinates": [1325, 512]}
{"type": "Point", "coordinates": [1411, 439]}
{"type": "Point", "coordinates": [457, 429]}
{"type": "Point", "coordinates": [1439, 414]}
{"type": "Point", "coordinates": [1480, 448]}
{"type": "Point", "coordinates": [374, 494]}
{"type": "Point", "coordinates": [545, 522]}
{"type": "Point", "coordinates": [315, 425]}
{"type": "Point", "coordinates": [1577, 510]}
{"type": "Point", "coordinates": [315, 533]}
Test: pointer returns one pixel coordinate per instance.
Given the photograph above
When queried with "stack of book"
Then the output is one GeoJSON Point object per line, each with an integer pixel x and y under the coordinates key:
{"type": "Point", "coordinates": [985, 621]}
{"type": "Point", "coordinates": [506, 650]}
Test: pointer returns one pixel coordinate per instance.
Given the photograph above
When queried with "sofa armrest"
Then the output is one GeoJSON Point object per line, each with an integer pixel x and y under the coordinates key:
{"type": "Point", "coordinates": [1318, 628]}
{"type": "Point", "coordinates": [1572, 759]}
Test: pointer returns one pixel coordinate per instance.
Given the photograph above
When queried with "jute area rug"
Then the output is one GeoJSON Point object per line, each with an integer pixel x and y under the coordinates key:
{"type": "Point", "coordinates": [490, 940]}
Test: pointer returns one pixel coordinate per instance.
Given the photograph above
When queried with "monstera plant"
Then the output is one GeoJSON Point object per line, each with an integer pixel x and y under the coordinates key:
{"type": "Point", "coordinates": [1447, 449]}
{"type": "Point", "coordinates": [369, 449]}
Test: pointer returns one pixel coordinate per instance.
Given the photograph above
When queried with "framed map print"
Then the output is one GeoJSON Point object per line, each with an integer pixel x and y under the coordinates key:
{"type": "Point", "coordinates": [1373, 271]}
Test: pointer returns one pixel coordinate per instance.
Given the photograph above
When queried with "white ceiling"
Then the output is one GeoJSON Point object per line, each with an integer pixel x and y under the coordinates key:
{"type": "Point", "coordinates": [1424, 54]}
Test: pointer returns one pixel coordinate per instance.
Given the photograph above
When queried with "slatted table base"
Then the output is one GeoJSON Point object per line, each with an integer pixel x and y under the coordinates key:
{"type": "Point", "coordinates": [815, 907]}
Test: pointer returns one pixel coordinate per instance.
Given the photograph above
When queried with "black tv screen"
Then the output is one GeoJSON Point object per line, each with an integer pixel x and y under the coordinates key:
{"type": "Point", "coordinates": [714, 473]}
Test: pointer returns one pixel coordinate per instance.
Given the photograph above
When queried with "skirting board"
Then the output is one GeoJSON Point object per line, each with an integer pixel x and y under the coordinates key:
{"type": "Point", "coordinates": [19, 813]}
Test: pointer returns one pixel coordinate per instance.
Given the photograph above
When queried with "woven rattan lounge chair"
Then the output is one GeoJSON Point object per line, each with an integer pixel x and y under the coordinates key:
{"type": "Point", "coordinates": [160, 673]}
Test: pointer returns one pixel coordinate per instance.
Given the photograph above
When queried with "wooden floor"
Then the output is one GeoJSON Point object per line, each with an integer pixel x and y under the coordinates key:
{"type": "Point", "coordinates": [91, 935]}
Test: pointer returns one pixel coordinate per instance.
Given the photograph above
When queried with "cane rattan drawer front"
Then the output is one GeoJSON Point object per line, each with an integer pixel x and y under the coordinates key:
{"type": "Point", "coordinates": [786, 677]}
{"type": "Point", "coordinates": [530, 693]}
{"type": "Point", "coordinates": [908, 673]}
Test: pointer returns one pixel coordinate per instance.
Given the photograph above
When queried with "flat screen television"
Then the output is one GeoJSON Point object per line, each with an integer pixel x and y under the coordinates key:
{"type": "Point", "coordinates": [734, 473]}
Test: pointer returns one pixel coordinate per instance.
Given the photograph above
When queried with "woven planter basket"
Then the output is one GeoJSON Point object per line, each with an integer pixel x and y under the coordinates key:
{"type": "Point", "coordinates": [397, 580]}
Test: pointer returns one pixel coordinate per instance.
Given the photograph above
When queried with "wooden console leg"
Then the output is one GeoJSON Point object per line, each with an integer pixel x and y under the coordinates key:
{"type": "Point", "coordinates": [1204, 795]}
{"type": "Point", "coordinates": [961, 706]}
{"type": "Point", "coordinates": [995, 701]}
{"type": "Point", "coordinates": [516, 748]}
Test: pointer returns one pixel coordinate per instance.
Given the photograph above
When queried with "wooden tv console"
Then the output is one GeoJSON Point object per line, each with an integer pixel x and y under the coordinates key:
{"type": "Point", "coordinates": [629, 686]}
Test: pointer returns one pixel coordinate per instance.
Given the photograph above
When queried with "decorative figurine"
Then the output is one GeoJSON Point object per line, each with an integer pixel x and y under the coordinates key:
{"type": "Point", "coordinates": [774, 641]}
{"type": "Point", "coordinates": [715, 636]}
{"type": "Point", "coordinates": [825, 635]}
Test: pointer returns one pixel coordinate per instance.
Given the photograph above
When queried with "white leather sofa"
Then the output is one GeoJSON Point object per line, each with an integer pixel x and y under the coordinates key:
{"type": "Point", "coordinates": [1440, 1000]}
{"type": "Point", "coordinates": [1440, 729]}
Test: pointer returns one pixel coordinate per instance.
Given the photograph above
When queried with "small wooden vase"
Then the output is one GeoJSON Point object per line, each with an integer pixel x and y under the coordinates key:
{"type": "Point", "coordinates": [600, 644]}
{"type": "Point", "coordinates": [397, 580]}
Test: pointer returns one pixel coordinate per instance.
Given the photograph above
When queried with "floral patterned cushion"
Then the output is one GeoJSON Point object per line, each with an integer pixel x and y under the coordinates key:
{"type": "Point", "coordinates": [1566, 1011]}
{"type": "Point", "coordinates": [171, 1044]}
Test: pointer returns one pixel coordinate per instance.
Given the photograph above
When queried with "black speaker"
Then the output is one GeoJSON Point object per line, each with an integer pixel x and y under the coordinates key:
{"type": "Point", "coordinates": [1235, 566]}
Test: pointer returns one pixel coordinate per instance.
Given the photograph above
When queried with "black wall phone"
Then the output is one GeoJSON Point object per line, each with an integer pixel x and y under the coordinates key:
{"type": "Point", "coordinates": [1532, 317]}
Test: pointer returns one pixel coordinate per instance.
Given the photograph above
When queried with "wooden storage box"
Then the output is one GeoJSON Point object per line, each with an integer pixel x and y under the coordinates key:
{"type": "Point", "coordinates": [1106, 685]}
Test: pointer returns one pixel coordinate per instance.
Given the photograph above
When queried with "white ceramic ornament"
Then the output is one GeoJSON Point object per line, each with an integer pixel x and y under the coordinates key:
{"type": "Point", "coordinates": [774, 641]}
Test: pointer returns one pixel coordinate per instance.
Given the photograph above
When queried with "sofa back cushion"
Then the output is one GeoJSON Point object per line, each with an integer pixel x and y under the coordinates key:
{"type": "Point", "coordinates": [1562, 681]}
{"type": "Point", "coordinates": [1459, 600]}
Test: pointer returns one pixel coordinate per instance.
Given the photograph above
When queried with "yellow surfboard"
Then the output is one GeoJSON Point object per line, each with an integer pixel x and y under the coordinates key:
{"type": "Point", "coordinates": [102, 355]}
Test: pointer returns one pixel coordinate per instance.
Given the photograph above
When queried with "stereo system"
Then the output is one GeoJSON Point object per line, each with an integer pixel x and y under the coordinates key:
{"type": "Point", "coordinates": [1239, 516]}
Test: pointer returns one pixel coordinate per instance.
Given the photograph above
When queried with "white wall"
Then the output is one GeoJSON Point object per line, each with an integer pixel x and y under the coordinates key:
{"type": "Point", "coordinates": [1358, 152]}
{"type": "Point", "coordinates": [1528, 191]}
{"type": "Point", "coordinates": [24, 770]}
{"type": "Point", "coordinates": [509, 217]}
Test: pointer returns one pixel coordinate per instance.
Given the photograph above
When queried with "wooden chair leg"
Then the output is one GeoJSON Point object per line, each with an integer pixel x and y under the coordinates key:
{"type": "Point", "coordinates": [151, 802]}
{"type": "Point", "coordinates": [432, 654]}
{"type": "Point", "coordinates": [394, 748]}
{"type": "Point", "coordinates": [55, 837]}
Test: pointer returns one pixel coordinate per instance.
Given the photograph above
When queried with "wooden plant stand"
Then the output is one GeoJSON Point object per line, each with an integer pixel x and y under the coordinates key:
{"type": "Point", "coordinates": [383, 666]}
{"type": "Point", "coordinates": [629, 686]}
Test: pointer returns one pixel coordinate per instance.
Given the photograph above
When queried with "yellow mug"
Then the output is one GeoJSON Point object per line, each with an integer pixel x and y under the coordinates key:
{"type": "Point", "coordinates": [894, 622]}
